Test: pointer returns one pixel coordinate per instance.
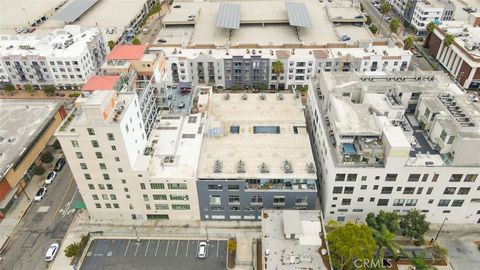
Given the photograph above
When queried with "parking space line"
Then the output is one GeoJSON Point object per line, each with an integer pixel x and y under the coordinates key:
{"type": "Point", "coordinates": [166, 250]}
{"type": "Point", "coordinates": [156, 250]}
{"type": "Point", "coordinates": [176, 252]}
{"type": "Point", "coordinates": [218, 245]}
{"type": "Point", "coordinates": [148, 244]}
{"type": "Point", "coordinates": [186, 253]}
{"type": "Point", "coordinates": [128, 244]}
{"type": "Point", "coordinates": [136, 250]}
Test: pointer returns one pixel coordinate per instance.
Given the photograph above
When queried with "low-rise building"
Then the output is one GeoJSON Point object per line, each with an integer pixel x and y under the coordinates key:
{"type": "Point", "coordinates": [66, 58]}
{"type": "Point", "coordinates": [394, 142]}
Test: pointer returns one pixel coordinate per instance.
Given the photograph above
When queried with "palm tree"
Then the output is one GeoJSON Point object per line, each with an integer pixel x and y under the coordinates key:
{"type": "Point", "coordinates": [277, 68]}
{"type": "Point", "coordinates": [408, 42]}
{"type": "Point", "coordinates": [394, 25]}
{"type": "Point", "coordinates": [448, 40]}
{"type": "Point", "coordinates": [430, 28]}
{"type": "Point", "coordinates": [385, 238]}
{"type": "Point", "coordinates": [384, 9]}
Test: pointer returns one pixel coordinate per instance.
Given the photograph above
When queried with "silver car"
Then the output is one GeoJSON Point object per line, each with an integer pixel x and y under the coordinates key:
{"type": "Point", "coordinates": [51, 252]}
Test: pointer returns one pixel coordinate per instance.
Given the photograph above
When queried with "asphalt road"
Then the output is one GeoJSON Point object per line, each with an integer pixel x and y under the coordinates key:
{"type": "Point", "coordinates": [152, 254]}
{"type": "Point", "coordinates": [376, 17]}
{"type": "Point", "coordinates": [44, 223]}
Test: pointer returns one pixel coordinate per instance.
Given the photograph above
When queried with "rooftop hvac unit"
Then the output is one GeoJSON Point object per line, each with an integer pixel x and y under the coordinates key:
{"type": "Point", "coordinates": [280, 96]}
{"type": "Point", "coordinates": [226, 96]}
{"type": "Point", "coordinates": [241, 166]}
{"type": "Point", "coordinates": [310, 167]}
{"type": "Point", "coordinates": [262, 96]}
{"type": "Point", "coordinates": [287, 168]}
{"type": "Point", "coordinates": [264, 168]}
{"type": "Point", "coordinates": [217, 168]}
{"type": "Point", "coordinates": [244, 96]}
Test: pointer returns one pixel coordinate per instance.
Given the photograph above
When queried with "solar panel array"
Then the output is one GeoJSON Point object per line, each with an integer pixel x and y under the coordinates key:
{"type": "Point", "coordinates": [73, 11]}
{"type": "Point", "coordinates": [298, 14]}
{"type": "Point", "coordinates": [228, 16]}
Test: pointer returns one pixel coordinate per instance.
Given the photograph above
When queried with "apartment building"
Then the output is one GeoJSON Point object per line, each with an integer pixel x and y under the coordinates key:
{"type": "Point", "coordinates": [255, 154]}
{"type": "Point", "coordinates": [123, 173]}
{"type": "Point", "coordinates": [461, 59]}
{"type": "Point", "coordinates": [420, 12]}
{"type": "Point", "coordinates": [66, 58]}
{"type": "Point", "coordinates": [252, 68]}
{"type": "Point", "coordinates": [394, 142]}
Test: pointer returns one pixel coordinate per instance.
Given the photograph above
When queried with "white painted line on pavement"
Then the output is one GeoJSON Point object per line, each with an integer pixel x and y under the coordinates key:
{"type": "Point", "coordinates": [176, 252]}
{"type": "Point", "coordinates": [188, 243]}
{"type": "Point", "coordinates": [166, 250]}
{"type": "Point", "coordinates": [136, 250]}
{"type": "Point", "coordinates": [127, 248]}
{"type": "Point", "coordinates": [156, 250]}
{"type": "Point", "coordinates": [148, 244]}
{"type": "Point", "coordinates": [218, 245]}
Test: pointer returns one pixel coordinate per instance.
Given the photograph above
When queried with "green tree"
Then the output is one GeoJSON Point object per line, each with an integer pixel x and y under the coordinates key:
{"type": "Point", "coordinates": [136, 41]}
{"type": "Point", "coordinates": [384, 9]}
{"type": "Point", "coordinates": [72, 250]}
{"type": "Point", "coordinates": [277, 68]}
{"type": "Point", "coordinates": [388, 219]}
{"type": "Point", "coordinates": [38, 170]}
{"type": "Point", "coordinates": [350, 242]}
{"type": "Point", "coordinates": [448, 40]}
{"type": "Point", "coordinates": [394, 25]}
{"type": "Point", "coordinates": [384, 238]}
{"type": "Point", "coordinates": [9, 88]}
{"type": "Point", "coordinates": [46, 157]}
{"type": "Point", "coordinates": [56, 145]}
{"type": "Point", "coordinates": [430, 27]}
{"type": "Point", "coordinates": [49, 90]}
{"type": "Point", "coordinates": [414, 225]}
{"type": "Point", "coordinates": [419, 262]}
{"type": "Point", "coordinates": [438, 252]}
{"type": "Point", "coordinates": [408, 42]}
{"type": "Point", "coordinates": [373, 28]}
{"type": "Point", "coordinates": [111, 44]}
{"type": "Point", "coordinates": [28, 88]}
{"type": "Point", "coordinates": [369, 20]}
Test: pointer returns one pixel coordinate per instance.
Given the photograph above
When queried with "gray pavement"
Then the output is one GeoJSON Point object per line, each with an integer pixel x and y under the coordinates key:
{"type": "Point", "coordinates": [165, 254]}
{"type": "Point", "coordinates": [44, 223]}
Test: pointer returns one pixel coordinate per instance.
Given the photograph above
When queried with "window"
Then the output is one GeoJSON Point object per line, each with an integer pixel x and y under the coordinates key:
{"type": "Point", "coordinates": [180, 207]}
{"type": "Point", "coordinates": [110, 137]}
{"type": "Point", "coordinates": [74, 143]}
{"type": "Point", "coordinates": [443, 135]}
{"type": "Point", "coordinates": [99, 155]}
{"type": "Point", "coordinates": [145, 197]}
{"type": "Point", "coordinates": [424, 178]}
{"type": "Point", "coordinates": [257, 199]}
{"type": "Point", "coordinates": [419, 190]}
{"type": "Point", "coordinates": [159, 197]}
{"type": "Point", "coordinates": [97, 205]}
{"type": "Point", "coordinates": [83, 166]}
{"type": "Point", "coordinates": [114, 148]}
{"type": "Point", "coordinates": [435, 177]}
{"type": "Point", "coordinates": [233, 187]}
{"type": "Point", "coordinates": [413, 177]}
{"type": "Point", "coordinates": [177, 186]}
{"type": "Point", "coordinates": [470, 177]}
{"type": "Point", "coordinates": [346, 201]}
{"type": "Point", "coordinates": [451, 139]}
{"type": "Point", "coordinates": [411, 202]}
{"type": "Point", "coordinates": [159, 206]}
{"type": "Point", "coordinates": [91, 186]}
{"type": "Point", "coordinates": [409, 190]}
{"type": "Point", "coordinates": [348, 190]}
{"type": "Point", "coordinates": [449, 190]}
{"type": "Point", "coordinates": [215, 200]}
{"type": "Point", "coordinates": [174, 197]}
{"type": "Point", "coordinates": [109, 186]}
{"type": "Point", "coordinates": [117, 159]}
{"type": "Point", "coordinates": [157, 186]}
{"type": "Point", "coordinates": [430, 201]}
{"type": "Point", "coordinates": [352, 177]}
{"type": "Point", "coordinates": [278, 200]}
{"type": "Point", "coordinates": [102, 166]}
{"type": "Point", "coordinates": [340, 177]}
{"type": "Point", "coordinates": [90, 131]}
{"type": "Point", "coordinates": [115, 205]}
{"type": "Point", "coordinates": [456, 177]}
{"type": "Point", "coordinates": [95, 197]}
{"type": "Point", "coordinates": [364, 178]}
{"type": "Point", "coordinates": [106, 176]}
{"type": "Point", "coordinates": [372, 199]}
{"type": "Point", "coordinates": [142, 186]}
{"type": "Point", "coordinates": [79, 155]}
{"type": "Point", "coordinates": [95, 143]}
{"type": "Point", "coordinates": [147, 206]}
{"type": "Point", "coordinates": [457, 203]}
{"type": "Point", "coordinates": [101, 186]}
{"type": "Point", "coordinates": [463, 191]}
{"type": "Point", "coordinates": [113, 197]}
{"type": "Point", "coordinates": [234, 199]}
{"type": "Point", "coordinates": [391, 177]}
{"type": "Point", "coordinates": [443, 202]}
{"type": "Point", "coordinates": [398, 202]}
{"type": "Point", "coordinates": [301, 200]}
{"type": "Point", "coordinates": [337, 190]}
{"type": "Point", "coordinates": [382, 202]}
{"type": "Point", "coordinates": [375, 187]}
{"type": "Point", "coordinates": [429, 190]}
{"type": "Point", "coordinates": [215, 187]}
{"type": "Point", "coordinates": [363, 187]}
{"type": "Point", "coordinates": [360, 199]}
{"type": "Point", "coordinates": [87, 176]}
{"type": "Point", "coordinates": [387, 190]}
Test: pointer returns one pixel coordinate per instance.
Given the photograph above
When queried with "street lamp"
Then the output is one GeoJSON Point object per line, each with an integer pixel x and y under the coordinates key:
{"type": "Point", "coordinates": [438, 233]}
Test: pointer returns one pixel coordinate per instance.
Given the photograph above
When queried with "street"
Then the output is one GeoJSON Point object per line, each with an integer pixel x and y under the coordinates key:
{"type": "Point", "coordinates": [376, 17]}
{"type": "Point", "coordinates": [44, 223]}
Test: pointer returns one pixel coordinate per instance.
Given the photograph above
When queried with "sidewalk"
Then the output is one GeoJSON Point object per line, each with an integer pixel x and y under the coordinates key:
{"type": "Point", "coordinates": [245, 232]}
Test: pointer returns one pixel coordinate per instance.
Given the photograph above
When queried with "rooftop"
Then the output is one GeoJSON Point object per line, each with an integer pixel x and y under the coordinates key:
{"type": "Point", "coordinates": [261, 22]}
{"type": "Point", "coordinates": [100, 82]}
{"type": "Point", "coordinates": [298, 253]}
{"type": "Point", "coordinates": [466, 36]}
{"type": "Point", "coordinates": [23, 13]}
{"type": "Point", "coordinates": [256, 136]}
{"type": "Point", "coordinates": [127, 52]}
{"type": "Point", "coordinates": [22, 122]}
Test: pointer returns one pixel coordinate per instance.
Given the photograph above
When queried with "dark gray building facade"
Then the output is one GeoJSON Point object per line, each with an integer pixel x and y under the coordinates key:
{"type": "Point", "coordinates": [246, 72]}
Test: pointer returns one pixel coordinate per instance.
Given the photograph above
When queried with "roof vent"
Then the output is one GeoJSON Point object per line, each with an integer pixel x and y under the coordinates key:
{"type": "Point", "coordinates": [310, 167]}
{"type": "Point", "coordinates": [262, 96]}
{"type": "Point", "coordinates": [226, 96]}
{"type": "Point", "coordinates": [244, 96]}
{"type": "Point", "coordinates": [287, 168]}
{"type": "Point", "coordinates": [264, 168]}
{"type": "Point", "coordinates": [241, 166]}
{"type": "Point", "coordinates": [280, 96]}
{"type": "Point", "coordinates": [217, 168]}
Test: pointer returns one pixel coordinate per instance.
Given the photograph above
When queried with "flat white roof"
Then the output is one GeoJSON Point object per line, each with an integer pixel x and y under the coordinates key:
{"type": "Point", "coordinates": [353, 119]}
{"type": "Point", "coordinates": [271, 131]}
{"type": "Point", "coordinates": [22, 13]}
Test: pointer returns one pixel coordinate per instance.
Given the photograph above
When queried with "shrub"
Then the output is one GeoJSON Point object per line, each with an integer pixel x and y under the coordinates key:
{"type": "Point", "coordinates": [28, 88]}
{"type": "Point", "coordinates": [9, 88]}
{"type": "Point", "coordinates": [38, 170]}
{"type": "Point", "coordinates": [232, 245]}
{"type": "Point", "coordinates": [73, 95]}
{"type": "Point", "coordinates": [49, 90]}
{"type": "Point", "coordinates": [72, 250]}
{"type": "Point", "coordinates": [373, 28]}
{"type": "Point", "coordinates": [46, 157]}
{"type": "Point", "coordinates": [56, 145]}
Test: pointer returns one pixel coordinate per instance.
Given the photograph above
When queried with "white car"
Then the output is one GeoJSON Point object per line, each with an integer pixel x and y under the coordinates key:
{"type": "Point", "coordinates": [50, 177]}
{"type": "Point", "coordinates": [51, 252]}
{"type": "Point", "coordinates": [202, 250]}
{"type": "Point", "coordinates": [40, 194]}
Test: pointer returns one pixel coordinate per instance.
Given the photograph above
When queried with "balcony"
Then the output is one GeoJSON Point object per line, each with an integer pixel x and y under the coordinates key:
{"type": "Point", "coordinates": [282, 185]}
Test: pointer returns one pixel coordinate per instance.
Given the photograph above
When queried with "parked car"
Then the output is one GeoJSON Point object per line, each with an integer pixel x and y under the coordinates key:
{"type": "Point", "coordinates": [31, 30]}
{"type": "Point", "coordinates": [162, 40]}
{"type": "Point", "coordinates": [181, 105]}
{"type": "Point", "coordinates": [40, 194]}
{"type": "Point", "coordinates": [358, 24]}
{"type": "Point", "coordinates": [337, 24]}
{"type": "Point", "coordinates": [388, 18]}
{"type": "Point", "coordinates": [50, 177]}
{"type": "Point", "coordinates": [202, 250]}
{"type": "Point", "coordinates": [18, 30]}
{"type": "Point", "coordinates": [177, 6]}
{"type": "Point", "coordinates": [51, 252]}
{"type": "Point", "coordinates": [59, 164]}
{"type": "Point", "coordinates": [344, 38]}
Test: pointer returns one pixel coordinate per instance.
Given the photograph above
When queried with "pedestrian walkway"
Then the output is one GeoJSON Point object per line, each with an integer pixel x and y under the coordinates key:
{"type": "Point", "coordinates": [244, 231]}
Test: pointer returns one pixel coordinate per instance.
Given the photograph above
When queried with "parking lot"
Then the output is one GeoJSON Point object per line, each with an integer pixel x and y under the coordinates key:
{"type": "Point", "coordinates": [153, 254]}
